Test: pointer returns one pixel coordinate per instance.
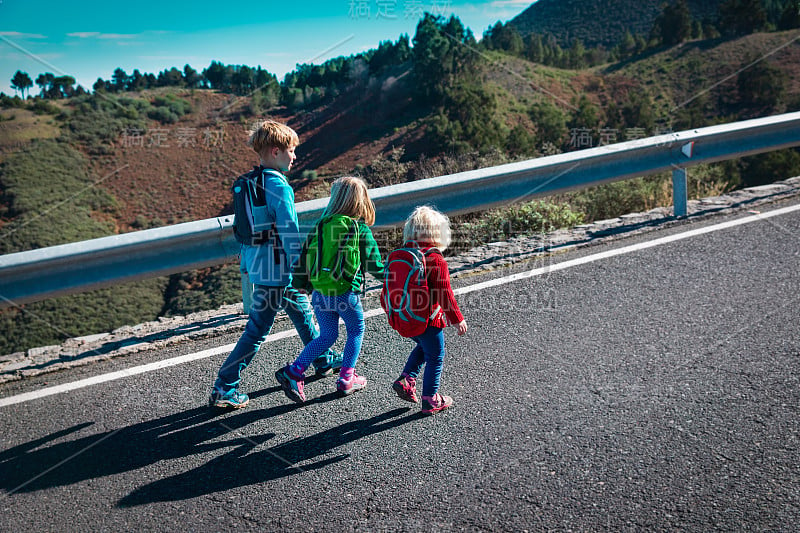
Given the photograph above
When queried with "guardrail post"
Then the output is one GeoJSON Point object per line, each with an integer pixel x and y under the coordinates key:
{"type": "Point", "coordinates": [679, 194]}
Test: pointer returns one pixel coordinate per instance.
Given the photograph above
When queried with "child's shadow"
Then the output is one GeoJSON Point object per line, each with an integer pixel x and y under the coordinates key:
{"type": "Point", "coordinates": [239, 468]}
{"type": "Point", "coordinates": [24, 468]}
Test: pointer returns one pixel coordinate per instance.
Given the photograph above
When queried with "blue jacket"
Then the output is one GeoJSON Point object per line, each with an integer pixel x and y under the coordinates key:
{"type": "Point", "coordinates": [271, 263]}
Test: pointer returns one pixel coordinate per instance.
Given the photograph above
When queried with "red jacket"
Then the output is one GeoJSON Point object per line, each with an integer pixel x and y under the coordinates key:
{"type": "Point", "coordinates": [441, 292]}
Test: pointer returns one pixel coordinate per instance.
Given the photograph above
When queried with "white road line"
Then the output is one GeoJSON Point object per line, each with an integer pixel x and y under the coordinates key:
{"type": "Point", "coordinates": [624, 250]}
{"type": "Point", "coordinates": [41, 393]}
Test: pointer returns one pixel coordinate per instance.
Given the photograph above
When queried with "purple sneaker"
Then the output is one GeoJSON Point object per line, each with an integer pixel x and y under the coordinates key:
{"type": "Point", "coordinates": [351, 384]}
{"type": "Point", "coordinates": [292, 385]}
{"type": "Point", "coordinates": [406, 388]}
{"type": "Point", "coordinates": [435, 403]}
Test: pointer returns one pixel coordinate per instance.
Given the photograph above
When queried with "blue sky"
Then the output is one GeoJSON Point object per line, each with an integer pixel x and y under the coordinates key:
{"type": "Point", "coordinates": [89, 39]}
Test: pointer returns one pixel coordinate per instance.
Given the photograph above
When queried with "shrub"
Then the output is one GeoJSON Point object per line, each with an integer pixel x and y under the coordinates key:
{"type": "Point", "coordinates": [99, 121]}
{"type": "Point", "coordinates": [204, 289]}
{"type": "Point", "coordinates": [52, 321]}
{"type": "Point", "coordinates": [522, 219]}
{"type": "Point", "coordinates": [163, 115]}
{"type": "Point", "coordinates": [43, 107]}
{"type": "Point", "coordinates": [51, 199]}
{"type": "Point", "coordinates": [309, 175]}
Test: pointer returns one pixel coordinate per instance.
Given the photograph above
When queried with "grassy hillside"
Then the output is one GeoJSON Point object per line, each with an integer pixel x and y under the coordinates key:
{"type": "Point", "coordinates": [101, 164]}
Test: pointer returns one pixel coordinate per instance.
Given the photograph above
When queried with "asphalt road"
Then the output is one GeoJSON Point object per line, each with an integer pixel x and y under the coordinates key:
{"type": "Point", "coordinates": [653, 390]}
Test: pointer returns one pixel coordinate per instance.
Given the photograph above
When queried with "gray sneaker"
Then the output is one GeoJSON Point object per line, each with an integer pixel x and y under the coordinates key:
{"type": "Point", "coordinates": [325, 365]}
{"type": "Point", "coordinates": [233, 399]}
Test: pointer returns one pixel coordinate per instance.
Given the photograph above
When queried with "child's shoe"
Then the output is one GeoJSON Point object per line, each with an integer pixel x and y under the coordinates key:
{"type": "Point", "coordinates": [435, 403]}
{"type": "Point", "coordinates": [232, 399]}
{"type": "Point", "coordinates": [350, 384]}
{"type": "Point", "coordinates": [406, 388]}
{"type": "Point", "coordinates": [325, 365]}
{"type": "Point", "coordinates": [291, 384]}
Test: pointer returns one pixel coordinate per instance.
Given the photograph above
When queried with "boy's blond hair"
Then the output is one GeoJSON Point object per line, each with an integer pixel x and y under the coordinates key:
{"type": "Point", "coordinates": [269, 133]}
{"type": "Point", "coordinates": [349, 197]}
{"type": "Point", "coordinates": [427, 225]}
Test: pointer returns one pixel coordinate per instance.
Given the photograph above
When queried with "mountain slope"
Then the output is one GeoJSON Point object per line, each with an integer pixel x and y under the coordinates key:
{"type": "Point", "coordinates": [599, 22]}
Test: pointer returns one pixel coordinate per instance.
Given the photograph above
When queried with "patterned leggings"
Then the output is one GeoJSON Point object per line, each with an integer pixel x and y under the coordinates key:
{"type": "Point", "coordinates": [328, 309]}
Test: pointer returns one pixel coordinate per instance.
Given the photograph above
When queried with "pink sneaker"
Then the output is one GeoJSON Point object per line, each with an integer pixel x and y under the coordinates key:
{"type": "Point", "coordinates": [435, 403]}
{"type": "Point", "coordinates": [351, 384]}
{"type": "Point", "coordinates": [406, 388]}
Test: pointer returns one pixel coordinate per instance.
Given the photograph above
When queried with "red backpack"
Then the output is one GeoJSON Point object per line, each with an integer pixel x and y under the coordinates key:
{"type": "Point", "coordinates": [405, 296]}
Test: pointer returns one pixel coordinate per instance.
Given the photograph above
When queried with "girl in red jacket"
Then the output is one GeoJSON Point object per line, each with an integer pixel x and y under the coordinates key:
{"type": "Point", "coordinates": [429, 228]}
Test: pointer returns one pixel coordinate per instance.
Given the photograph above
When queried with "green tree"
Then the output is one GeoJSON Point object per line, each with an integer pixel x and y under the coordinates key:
{"type": "Point", "coordinates": [741, 17]}
{"type": "Point", "coordinates": [468, 120]}
{"type": "Point", "coordinates": [576, 56]}
{"type": "Point", "coordinates": [673, 25]}
{"type": "Point", "coordinates": [44, 81]}
{"type": "Point", "coordinates": [190, 77]}
{"type": "Point", "coordinates": [100, 86]}
{"type": "Point", "coordinates": [503, 37]}
{"type": "Point", "coordinates": [790, 17]}
{"type": "Point", "coordinates": [171, 77]}
{"type": "Point", "coordinates": [521, 142]}
{"type": "Point", "coordinates": [119, 80]}
{"type": "Point", "coordinates": [551, 124]}
{"type": "Point", "coordinates": [534, 48]}
{"type": "Point", "coordinates": [761, 85]}
{"type": "Point", "coordinates": [389, 53]}
{"type": "Point", "coordinates": [586, 115]}
{"type": "Point", "coordinates": [769, 167]}
{"type": "Point", "coordinates": [62, 87]}
{"type": "Point", "coordinates": [626, 46]}
{"type": "Point", "coordinates": [441, 52]}
{"type": "Point", "coordinates": [217, 76]}
{"type": "Point", "coordinates": [21, 82]}
{"type": "Point", "coordinates": [637, 111]}
{"type": "Point", "coordinates": [137, 81]}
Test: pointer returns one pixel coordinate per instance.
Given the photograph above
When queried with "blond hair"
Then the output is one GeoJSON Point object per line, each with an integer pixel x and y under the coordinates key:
{"type": "Point", "coordinates": [427, 225]}
{"type": "Point", "coordinates": [269, 133]}
{"type": "Point", "coordinates": [349, 197]}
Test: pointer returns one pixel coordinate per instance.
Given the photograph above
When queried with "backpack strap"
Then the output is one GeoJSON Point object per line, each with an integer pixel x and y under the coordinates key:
{"type": "Point", "coordinates": [353, 231]}
{"type": "Point", "coordinates": [256, 177]}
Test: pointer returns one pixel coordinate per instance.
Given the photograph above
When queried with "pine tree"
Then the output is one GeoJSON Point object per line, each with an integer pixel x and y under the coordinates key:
{"type": "Point", "coordinates": [21, 81]}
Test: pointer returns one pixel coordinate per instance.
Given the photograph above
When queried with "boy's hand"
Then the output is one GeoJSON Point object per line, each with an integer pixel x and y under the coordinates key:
{"type": "Point", "coordinates": [462, 327]}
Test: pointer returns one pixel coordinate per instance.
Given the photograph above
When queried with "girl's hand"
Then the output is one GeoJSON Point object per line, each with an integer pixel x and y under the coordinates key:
{"type": "Point", "coordinates": [462, 327]}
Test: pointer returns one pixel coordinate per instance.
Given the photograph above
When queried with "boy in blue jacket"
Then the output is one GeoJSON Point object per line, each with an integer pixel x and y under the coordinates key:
{"type": "Point", "coordinates": [269, 265]}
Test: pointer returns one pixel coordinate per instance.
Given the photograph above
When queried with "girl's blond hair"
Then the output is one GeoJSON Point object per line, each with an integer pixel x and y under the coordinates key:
{"type": "Point", "coordinates": [427, 225]}
{"type": "Point", "coordinates": [349, 197]}
{"type": "Point", "coordinates": [269, 133]}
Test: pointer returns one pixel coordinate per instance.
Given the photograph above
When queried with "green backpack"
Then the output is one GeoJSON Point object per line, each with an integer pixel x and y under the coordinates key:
{"type": "Point", "coordinates": [333, 257]}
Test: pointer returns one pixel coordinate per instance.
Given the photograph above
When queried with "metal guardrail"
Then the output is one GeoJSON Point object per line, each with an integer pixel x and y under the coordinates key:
{"type": "Point", "coordinates": [70, 268]}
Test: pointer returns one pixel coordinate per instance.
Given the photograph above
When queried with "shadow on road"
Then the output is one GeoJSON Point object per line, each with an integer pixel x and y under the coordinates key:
{"type": "Point", "coordinates": [36, 465]}
{"type": "Point", "coordinates": [30, 467]}
{"type": "Point", "coordinates": [239, 468]}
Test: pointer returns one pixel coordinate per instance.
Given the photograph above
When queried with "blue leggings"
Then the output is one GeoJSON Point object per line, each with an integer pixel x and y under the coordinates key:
{"type": "Point", "coordinates": [429, 351]}
{"type": "Point", "coordinates": [328, 310]}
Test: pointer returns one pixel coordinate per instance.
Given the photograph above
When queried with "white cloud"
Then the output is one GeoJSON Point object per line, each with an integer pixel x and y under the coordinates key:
{"type": "Point", "coordinates": [99, 35]}
{"type": "Point", "coordinates": [511, 3]}
{"type": "Point", "coordinates": [20, 35]}
{"type": "Point", "coordinates": [117, 36]}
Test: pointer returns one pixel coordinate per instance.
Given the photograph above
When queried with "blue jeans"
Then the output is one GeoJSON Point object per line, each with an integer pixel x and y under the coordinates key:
{"type": "Point", "coordinates": [429, 351]}
{"type": "Point", "coordinates": [328, 310]}
{"type": "Point", "coordinates": [267, 301]}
